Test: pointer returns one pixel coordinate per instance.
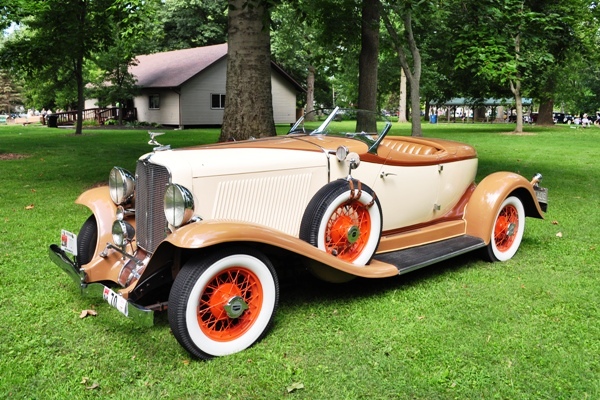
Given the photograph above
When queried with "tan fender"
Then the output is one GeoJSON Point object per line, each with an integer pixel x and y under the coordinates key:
{"type": "Point", "coordinates": [99, 202]}
{"type": "Point", "coordinates": [209, 233]}
{"type": "Point", "coordinates": [488, 196]}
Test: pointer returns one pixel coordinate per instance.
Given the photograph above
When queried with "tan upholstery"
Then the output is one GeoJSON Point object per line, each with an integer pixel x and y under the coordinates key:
{"type": "Point", "coordinates": [407, 147]}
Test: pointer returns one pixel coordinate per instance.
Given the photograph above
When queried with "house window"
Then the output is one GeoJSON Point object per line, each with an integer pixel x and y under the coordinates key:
{"type": "Point", "coordinates": [217, 101]}
{"type": "Point", "coordinates": [154, 102]}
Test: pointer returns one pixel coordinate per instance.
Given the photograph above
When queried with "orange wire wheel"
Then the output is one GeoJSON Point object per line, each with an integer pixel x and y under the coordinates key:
{"type": "Point", "coordinates": [229, 304]}
{"type": "Point", "coordinates": [506, 228]}
{"type": "Point", "coordinates": [507, 231]}
{"type": "Point", "coordinates": [224, 302]}
{"type": "Point", "coordinates": [344, 219]}
{"type": "Point", "coordinates": [348, 230]}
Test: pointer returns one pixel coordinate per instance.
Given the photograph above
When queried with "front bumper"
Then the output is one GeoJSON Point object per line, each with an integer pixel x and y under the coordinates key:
{"type": "Point", "coordinates": [140, 315]}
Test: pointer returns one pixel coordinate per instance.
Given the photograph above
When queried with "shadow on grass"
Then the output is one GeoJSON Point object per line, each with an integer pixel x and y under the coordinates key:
{"type": "Point", "coordinates": [305, 288]}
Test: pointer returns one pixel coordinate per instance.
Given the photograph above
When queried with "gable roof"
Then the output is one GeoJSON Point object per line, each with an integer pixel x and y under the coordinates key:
{"type": "Point", "coordinates": [173, 68]}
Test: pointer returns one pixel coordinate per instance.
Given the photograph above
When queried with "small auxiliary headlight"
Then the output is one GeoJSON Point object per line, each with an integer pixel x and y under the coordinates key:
{"type": "Point", "coordinates": [179, 205]}
{"type": "Point", "coordinates": [353, 160]}
{"type": "Point", "coordinates": [122, 233]}
{"type": "Point", "coordinates": [341, 153]}
{"type": "Point", "coordinates": [120, 214]}
{"type": "Point", "coordinates": [121, 185]}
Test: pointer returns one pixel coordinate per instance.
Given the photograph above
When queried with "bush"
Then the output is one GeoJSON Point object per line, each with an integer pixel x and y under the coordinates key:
{"type": "Point", "coordinates": [90, 122]}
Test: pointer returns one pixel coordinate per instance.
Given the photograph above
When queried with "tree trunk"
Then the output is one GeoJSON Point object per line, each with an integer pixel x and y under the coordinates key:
{"type": "Point", "coordinates": [516, 89]}
{"type": "Point", "coordinates": [249, 103]}
{"type": "Point", "coordinates": [545, 116]}
{"type": "Point", "coordinates": [367, 65]}
{"type": "Point", "coordinates": [310, 91]}
{"type": "Point", "coordinates": [415, 112]}
{"type": "Point", "coordinates": [402, 106]}
{"type": "Point", "coordinates": [80, 97]}
{"type": "Point", "coordinates": [412, 76]}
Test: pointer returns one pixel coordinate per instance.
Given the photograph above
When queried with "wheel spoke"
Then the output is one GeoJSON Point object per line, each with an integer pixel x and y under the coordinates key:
{"type": "Point", "coordinates": [229, 284]}
{"type": "Point", "coordinates": [507, 226]}
{"type": "Point", "coordinates": [351, 215]}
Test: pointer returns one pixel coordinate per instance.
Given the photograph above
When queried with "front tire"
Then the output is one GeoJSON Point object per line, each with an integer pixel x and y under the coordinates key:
{"type": "Point", "coordinates": [344, 219]}
{"type": "Point", "coordinates": [87, 239]}
{"type": "Point", "coordinates": [507, 231]}
{"type": "Point", "coordinates": [224, 303]}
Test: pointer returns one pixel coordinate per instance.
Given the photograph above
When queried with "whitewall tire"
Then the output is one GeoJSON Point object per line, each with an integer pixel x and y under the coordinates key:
{"type": "Point", "coordinates": [224, 303]}
{"type": "Point", "coordinates": [507, 231]}
{"type": "Point", "coordinates": [344, 219]}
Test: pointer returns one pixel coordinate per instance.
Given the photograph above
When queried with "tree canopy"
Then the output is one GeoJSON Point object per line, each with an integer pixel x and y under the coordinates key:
{"type": "Point", "coordinates": [452, 48]}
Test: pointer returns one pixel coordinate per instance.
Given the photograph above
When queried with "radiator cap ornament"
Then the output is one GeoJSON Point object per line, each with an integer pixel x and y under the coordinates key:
{"type": "Point", "coordinates": [153, 142]}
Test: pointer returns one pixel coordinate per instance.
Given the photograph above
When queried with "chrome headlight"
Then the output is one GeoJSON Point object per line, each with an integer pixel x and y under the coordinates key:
{"type": "Point", "coordinates": [122, 233]}
{"type": "Point", "coordinates": [179, 205]}
{"type": "Point", "coordinates": [121, 184]}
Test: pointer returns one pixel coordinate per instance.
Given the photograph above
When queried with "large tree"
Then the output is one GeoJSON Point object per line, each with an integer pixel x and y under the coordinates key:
{"type": "Point", "coordinates": [512, 42]}
{"type": "Point", "coordinates": [574, 38]}
{"type": "Point", "coordinates": [55, 49]}
{"type": "Point", "coordinates": [249, 104]}
{"type": "Point", "coordinates": [368, 65]}
{"type": "Point", "coordinates": [398, 20]}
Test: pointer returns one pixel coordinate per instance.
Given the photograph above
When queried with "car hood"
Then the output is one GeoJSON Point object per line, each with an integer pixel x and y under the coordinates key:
{"type": "Point", "coordinates": [250, 156]}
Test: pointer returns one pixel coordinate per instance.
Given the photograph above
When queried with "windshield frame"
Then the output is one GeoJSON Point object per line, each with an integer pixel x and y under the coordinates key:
{"type": "Point", "coordinates": [338, 113]}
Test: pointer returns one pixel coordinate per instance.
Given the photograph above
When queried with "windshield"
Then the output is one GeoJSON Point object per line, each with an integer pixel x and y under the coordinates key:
{"type": "Point", "coordinates": [366, 126]}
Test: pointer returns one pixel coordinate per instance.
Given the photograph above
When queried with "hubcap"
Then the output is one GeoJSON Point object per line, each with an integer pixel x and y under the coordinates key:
{"type": "Point", "coordinates": [510, 231]}
{"type": "Point", "coordinates": [235, 307]}
{"type": "Point", "coordinates": [353, 234]}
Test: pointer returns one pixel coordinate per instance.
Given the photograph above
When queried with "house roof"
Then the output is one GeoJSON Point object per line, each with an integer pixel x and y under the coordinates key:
{"type": "Point", "coordinates": [173, 68]}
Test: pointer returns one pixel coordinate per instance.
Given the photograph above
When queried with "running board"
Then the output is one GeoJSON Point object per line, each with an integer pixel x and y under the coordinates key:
{"type": "Point", "coordinates": [408, 260]}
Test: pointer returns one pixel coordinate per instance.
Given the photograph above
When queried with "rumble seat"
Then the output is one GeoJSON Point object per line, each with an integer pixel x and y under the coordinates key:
{"type": "Point", "coordinates": [407, 147]}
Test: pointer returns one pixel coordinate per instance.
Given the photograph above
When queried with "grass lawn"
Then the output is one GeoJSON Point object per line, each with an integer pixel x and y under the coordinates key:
{"type": "Point", "coordinates": [525, 329]}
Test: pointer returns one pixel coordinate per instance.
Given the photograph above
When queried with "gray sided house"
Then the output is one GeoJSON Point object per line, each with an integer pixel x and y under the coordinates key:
{"type": "Point", "coordinates": [187, 87]}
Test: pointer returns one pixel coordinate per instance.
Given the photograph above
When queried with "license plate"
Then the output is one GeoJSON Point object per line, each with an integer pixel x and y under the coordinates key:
{"type": "Point", "coordinates": [116, 301]}
{"type": "Point", "coordinates": [68, 242]}
{"type": "Point", "coordinates": [542, 194]}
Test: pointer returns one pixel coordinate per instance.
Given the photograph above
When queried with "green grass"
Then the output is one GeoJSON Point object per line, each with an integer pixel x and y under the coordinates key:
{"type": "Point", "coordinates": [525, 329]}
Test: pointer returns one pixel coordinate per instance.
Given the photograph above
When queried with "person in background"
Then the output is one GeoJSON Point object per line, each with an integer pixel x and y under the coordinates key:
{"type": "Point", "coordinates": [585, 122]}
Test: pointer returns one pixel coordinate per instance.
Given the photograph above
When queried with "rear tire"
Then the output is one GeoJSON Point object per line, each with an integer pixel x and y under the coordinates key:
{"type": "Point", "coordinates": [224, 303]}
{"type": "Point", "coordinates": [507, 231]}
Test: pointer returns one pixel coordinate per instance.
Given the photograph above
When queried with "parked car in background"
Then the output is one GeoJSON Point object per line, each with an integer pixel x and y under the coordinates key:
{"type": "Point", "coordinates": [203, 231]}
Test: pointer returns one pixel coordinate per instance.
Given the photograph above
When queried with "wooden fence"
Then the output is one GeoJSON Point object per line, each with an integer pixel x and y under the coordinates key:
{"type": "Point", "coordinates": [100, 115]}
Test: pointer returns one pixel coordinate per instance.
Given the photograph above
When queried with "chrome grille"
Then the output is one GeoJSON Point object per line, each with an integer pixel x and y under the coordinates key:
{"type": "Point", "coordinates": [151, 223]}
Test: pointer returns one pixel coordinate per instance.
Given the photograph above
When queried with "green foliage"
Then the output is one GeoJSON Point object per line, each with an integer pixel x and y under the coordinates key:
{"type": "Point", "coordinates": [192, 23]}
{"type": "Point", "coordinates": [464, 328]}
{"type": "Point", "coordinates": [90, 123]}
{"type": "Point", "coordinates": [511, 40]}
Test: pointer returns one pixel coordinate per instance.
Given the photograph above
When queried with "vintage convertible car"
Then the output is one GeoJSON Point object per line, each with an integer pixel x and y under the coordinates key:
{"type": "Point", "coordinates": [201, 231]}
